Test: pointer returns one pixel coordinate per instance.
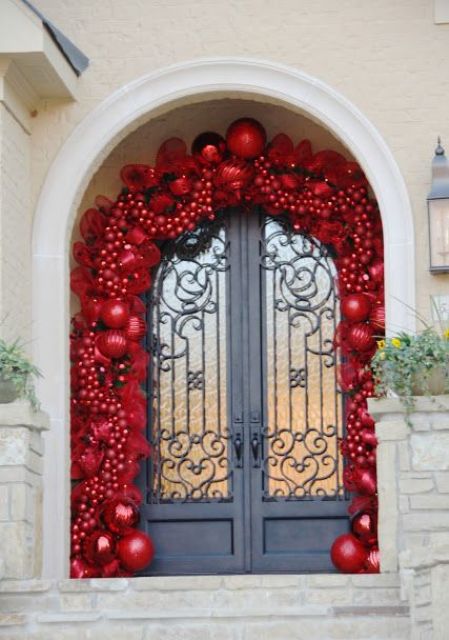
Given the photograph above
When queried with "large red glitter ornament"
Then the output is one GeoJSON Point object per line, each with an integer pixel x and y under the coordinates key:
{"type": "Point", "coordinates": [356, 307]}
{"type": "Point", "coordinates": [113, 343]}
{"type": "Point", "coordinates": [135, 551]}
{"type": "Point", "coordinates": [209, 147]}
{"type": "Point", "coordinates": [114, 313]}
{"type": "Point", "coordinates": [246, 138]}
{"type": "Point", "coordinates": [348, 554]}
{"type": "Point", "coordinates": [120, 514]}
{"type": "Point", "coordinates": [99, 547]}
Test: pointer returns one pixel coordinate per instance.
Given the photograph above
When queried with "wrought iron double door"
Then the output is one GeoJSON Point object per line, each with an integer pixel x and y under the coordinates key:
{"type": "Point", "coordinates": [244, 412]}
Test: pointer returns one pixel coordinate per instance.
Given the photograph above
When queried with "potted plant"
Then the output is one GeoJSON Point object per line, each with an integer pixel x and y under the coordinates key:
{"type": "Point", "coordinates": [16, 374]}
{"type": "Point", "coordinates": [412, 365]}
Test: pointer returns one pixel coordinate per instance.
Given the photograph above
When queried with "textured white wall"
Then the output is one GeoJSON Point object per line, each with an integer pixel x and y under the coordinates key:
{"type": "Point", "coordinates": [15, 229]}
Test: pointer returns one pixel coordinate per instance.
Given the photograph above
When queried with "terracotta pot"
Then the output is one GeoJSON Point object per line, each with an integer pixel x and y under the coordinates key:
{"type": "Point", "coordinates": [436, 384]}
{"type": "Point", "coordinates": [8, 391]}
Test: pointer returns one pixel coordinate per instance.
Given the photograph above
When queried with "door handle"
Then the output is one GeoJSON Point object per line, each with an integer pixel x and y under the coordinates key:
{"type": "Point", "coordinates": [255, 442]}
{"type": "Point", "coordinates": [238, 449]}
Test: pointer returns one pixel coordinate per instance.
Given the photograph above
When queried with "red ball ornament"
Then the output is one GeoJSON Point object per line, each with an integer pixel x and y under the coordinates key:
{"type": "Point", "coordinates": [209, 147]}
{"type": "Point", "coordinates": [80, 569]}
{"type": "Point", "coordinates": [135, 551]}
{"type": "Point", "coordinates": [99, 547]}
{"type": "Point", "coordinates": [364, 528]}
{"type": "Point", "coordinates": [113, 343]}
{"type": "Point", "coordinates": [356, 307]}
{"type": "Point", "coordinates": [360, 337]}
{"type": "Point", "coordinates": [181, 186]}
{"type": "Point", "coordinates": [377, 318]}
{"type": "Point", "coordinates": [365, 481]}
{"type": "Point", "coordinates": [246, 138]}
{"type": "Point", "coordinates": [376, 270]}
{"type": "Point", "coordinates": [135, 328]}
{"type": "Point", "coordinates": [120, 514]}
{"type": "Point", "coordinates": [234, 174]}
{"type": "Point", "coordinates": [348, 554]}
{"type": "Point", "coordinates": [372, 564]}
{"type": "Point", "coordinates": [114, 314]}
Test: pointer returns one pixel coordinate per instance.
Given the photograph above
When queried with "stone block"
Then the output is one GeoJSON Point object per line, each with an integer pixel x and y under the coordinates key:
{"type": "Point", "coordinates": [411, 485]}
{"type": "Point", "coordinates": [404, 456]}
{"type": "Point", "coordinates": [376, 580]}
{"type": "Point", "coordinates": [328, 597]}
{"type": "Point", "coordinates": [76, 601]}
{"type": "Point", "coordinates": [201, 630]}
{"type": "Point", "coordinates": [15, 549]}
{"type": "Point", "coordinates": [442, 481]}
{"type": "Point", "coordinates": [4, 503]}
{"type": "Point", "coordinates": [177, 583]}
{"type": "Point", "coordinates": [21, 502]}
{"type": "Point", "coordinates": [12, 619]}
{"type": "Point", "coordinates": [430, 501]}
{"type": "Point", "coordinates": [426, 521]}
{"type": "Point", "coordinates": [14, 445]}
{"type": "Point", "coordinates": [391, 430]}
{"type": "Point", "coordinates": [327, 581]}
{"type": "Point", "coordinates": [388, 505]}
{"type": "Point", "coordinates": [430, 451]}
{"type": "Point", "coordinates": [25, 586]}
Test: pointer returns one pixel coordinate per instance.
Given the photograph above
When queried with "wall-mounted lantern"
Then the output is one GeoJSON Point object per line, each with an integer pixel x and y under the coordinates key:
{"type": "Point", "coordinates": [438, 209]}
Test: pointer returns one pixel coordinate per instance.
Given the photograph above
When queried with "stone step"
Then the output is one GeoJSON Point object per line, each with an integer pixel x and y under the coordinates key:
{"type": "Point", "coordinates": [275, 607]}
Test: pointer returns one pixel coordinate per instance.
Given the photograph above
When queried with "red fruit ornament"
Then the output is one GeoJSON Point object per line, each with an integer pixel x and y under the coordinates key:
{"type": "Point", "coordinates": [365, 481]}
{"type": "Point", "coordinates": [114, 314]}
{"type": "Point", "coordinates": [372, 564]}
{"type": "Point", "coordinates": [364, 528]}
{"type": "Point", "coordinates": [120, 515]}
{"type": "Point", "coordinates": [135, 328]}
{"type": "Point", "coordinates": [209, 147]}
{"type": "Point", "coordinates": [135, 551]}
{"type": "Point", "coordinates": [360, 337]}
{"type": "Point", "coordinates": [112, 344]}
{"type": "Point", "coordinates": [246, 138]}
{"type": "Point", "coordinates": [356, 307]}
{"type": "Point", "coordinates": [99, 547]}
{"type": "Point", "coordinates": [348, 554]}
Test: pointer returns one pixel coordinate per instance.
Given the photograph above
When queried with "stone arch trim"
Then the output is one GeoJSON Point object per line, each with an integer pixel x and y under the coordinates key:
{"type": "Point", "coordinates": [88, 145]}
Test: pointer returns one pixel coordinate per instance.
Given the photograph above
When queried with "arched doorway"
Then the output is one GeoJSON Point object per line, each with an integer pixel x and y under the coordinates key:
{"type": "Point", "coordinates": [84, 151]}
{"type": "Point", "coordinates": [245, 414]}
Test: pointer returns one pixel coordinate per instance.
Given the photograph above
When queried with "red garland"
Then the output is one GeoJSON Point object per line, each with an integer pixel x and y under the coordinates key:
{"type": "Point", "coordinates": [325, 196]}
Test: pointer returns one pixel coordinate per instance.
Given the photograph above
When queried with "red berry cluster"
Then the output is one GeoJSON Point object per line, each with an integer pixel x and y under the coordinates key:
{"type": "Point", "coordinates": [325, 196]}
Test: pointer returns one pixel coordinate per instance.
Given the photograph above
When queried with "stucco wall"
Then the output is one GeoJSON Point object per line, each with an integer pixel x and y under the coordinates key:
{"type": "Point", "coordinates": [388, 58]}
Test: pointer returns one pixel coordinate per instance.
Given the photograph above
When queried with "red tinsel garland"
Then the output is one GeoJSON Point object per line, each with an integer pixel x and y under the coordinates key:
{"type": "Point", "coordinates": [325, 196]}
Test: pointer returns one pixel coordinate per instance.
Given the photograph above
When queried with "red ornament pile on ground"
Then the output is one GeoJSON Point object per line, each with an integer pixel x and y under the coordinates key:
{"type": "Point", "coordinates": [325, 196]}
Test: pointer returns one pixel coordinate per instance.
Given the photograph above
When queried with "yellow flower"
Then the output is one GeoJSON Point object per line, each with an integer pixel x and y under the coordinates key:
{"type": "Point", "coordinates": [446, 334]}
{"type": "Point", "coordinates": [396, 342]}
{"type": "Point", "coordinates": [381, 344]}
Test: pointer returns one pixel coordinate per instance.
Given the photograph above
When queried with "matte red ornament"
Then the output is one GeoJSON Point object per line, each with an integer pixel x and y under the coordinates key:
{"type": "Point", "coordinates": [135, 328]}
{"type": "Point", "coordinates": [246, 138]}
{"type": "Point", "coordinates": [372, 564]}
{"type": "Point", "coordinates": [114, 313]}
{"type": "Point", "coordinates": [348, 554]}
{"type": "Point", "coordinates": [135, 176]}
{"type": "Point", "coordinates": [376, 270]}
{"type": "Point", "coordinates": [360, 337]}
{"type": "Point", "coordinates": [364, 528]}
{"type": "Point", "coordinates": [99, 547]}
{"type": "Point", "coordinates": [112, 343]}
{"type": "Point", "coordinates": [234, 174]}
{"type": "Point", "coordinates": [356, 307]}
{"type": "Point", "coordinates": [209, 147]}
{"type": "Point", "coordinates": [135, 551]}
{"type": "Point", "coordinates": [120, 514]}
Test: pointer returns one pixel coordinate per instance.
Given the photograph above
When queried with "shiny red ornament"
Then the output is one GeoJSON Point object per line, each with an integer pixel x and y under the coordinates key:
{"type": "Point", "coordinates": [80, 569]}
{"type": "Point", "coordinates": [135, 328]}
{"type": "Point", "coordinates": [246, 138]}
{"type": "Point", "coordinates": [377, 318]}
{"type": "Point", "coordinates": [360, 337]}
{"type": "Point", "coordinates": [181, 186]}
{"type": "Point", "coordinates": [114, 313]}
{"type": "Point", "coordinates": [209, 147]}
{"type": "Point", "coordinates": [234, 175]}
{"type": "Point", "coordinates": [135, 551]}
{"type": "Point", "coordinates": [112, 343]}
{"type": "Point", "coordinates": [365, 481]}
{"type": "Point", "coordinates": [363, 526]}
{"type": "Point", "coordinates": [120, 514]}
{"type": "Point", "coordinates": [99, 547]}
{"type": "Point", "coordinates": [348, 554]}
{"type": "Point", "coordinates": [356, 307]}
{"type": "Point", "coordinates": [372, 564]}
